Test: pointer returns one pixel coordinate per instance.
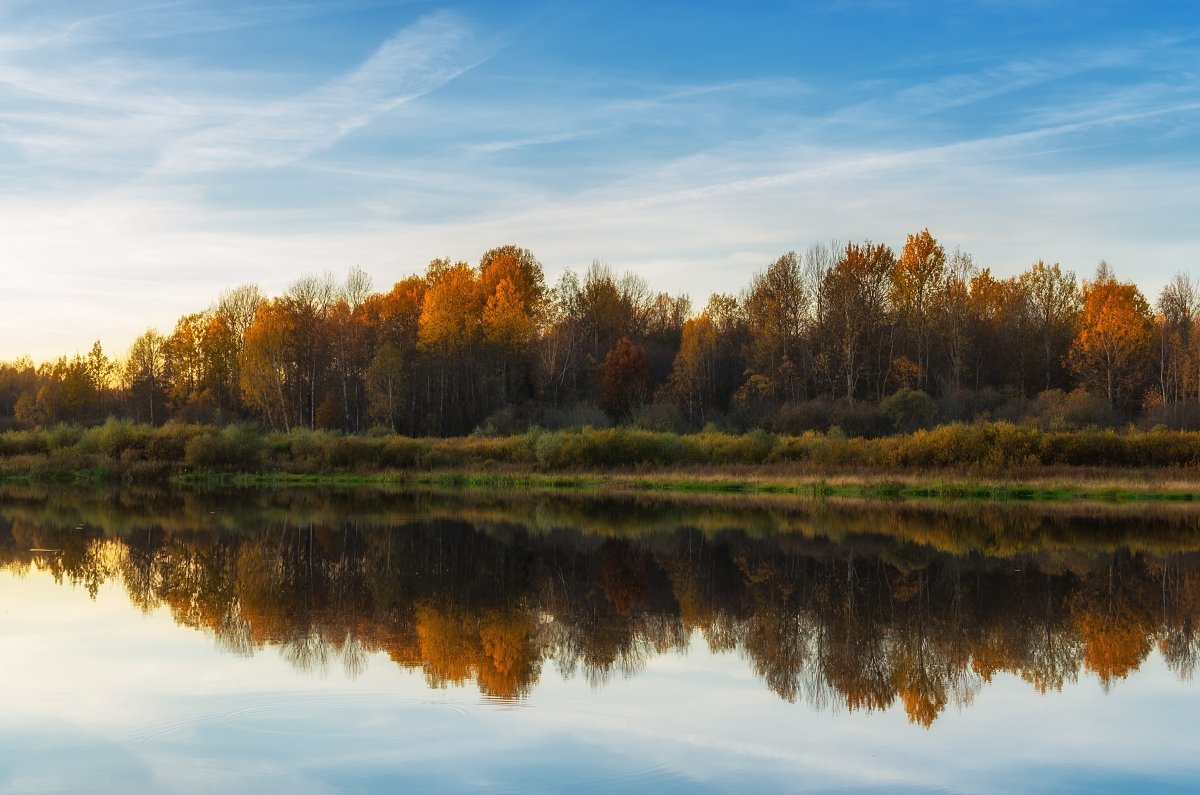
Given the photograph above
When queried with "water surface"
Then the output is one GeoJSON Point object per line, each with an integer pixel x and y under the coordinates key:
{"type": "Point", "coordinates": [321, 641]}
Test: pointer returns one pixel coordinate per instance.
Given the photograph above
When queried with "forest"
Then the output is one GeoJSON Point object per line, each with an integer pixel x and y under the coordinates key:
{"type": "Point", "coordinates": [854, 336]}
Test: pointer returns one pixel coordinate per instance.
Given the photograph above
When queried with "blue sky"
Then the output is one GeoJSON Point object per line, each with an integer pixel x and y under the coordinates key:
{"type": "Point", "coordinates": [155, 153]}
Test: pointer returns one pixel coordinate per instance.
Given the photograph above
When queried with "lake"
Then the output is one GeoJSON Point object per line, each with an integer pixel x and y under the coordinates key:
{"type": "Point", "coordinates": [315, 641]}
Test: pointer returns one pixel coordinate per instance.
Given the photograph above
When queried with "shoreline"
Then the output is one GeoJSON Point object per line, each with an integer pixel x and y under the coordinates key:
{"type": "Point", "coordinates": [1080, 486]}
{"type": "Point", "coordinates": [997, 462]}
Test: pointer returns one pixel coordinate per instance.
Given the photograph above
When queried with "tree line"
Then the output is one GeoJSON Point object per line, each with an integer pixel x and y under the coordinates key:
{"type": "Point", "coordinates": [854, 335]}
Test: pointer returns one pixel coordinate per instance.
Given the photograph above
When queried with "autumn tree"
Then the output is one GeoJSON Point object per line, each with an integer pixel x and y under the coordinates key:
{"type": "Point", "coordinates": [662, 332]}
{"type": "Point", "coordinates": [624, 379]}
{"type": "Point", "coordinates": [186, 365]}
{"type": "Point", "coordinates": [18, 383]}
{"type": "Point", "coordinates": [521, 269]}
{"type": "Point", "coordinates": [513, 288]}
{"type": "Point", "coordinates": [584, 321]}
{"type": "Point", "coordinates": [693, 375]}
{"type": "Point", "coordinates": [1111, 349]}
{"type": "Point", "coordinates": [953, 318]}
{"type": "Point", "coordinates": [610, 308]}
{"type": "Point", "coordinates": [145, 371]}
{"type": "Point", "coordinates": [264, 367]}
{"type": "Point", "coordinates": [225, 338]}
{"type": "Point", "coordinates": [1053, 302]}
{"type": "Point", "coordinates": [559, 342]}
{"type": "Point", "coordinates": [918, 281]}
{"type": "Point", "coordinates": [448, 332]}
{"type": "Point", "coordinates": [350, 351]}
{"type": "Point", "coordinates": [709, 363]}
{"type": "Point", "coordinates": [78, 389]}
{"type": "Point", "coordinates": [856, 320]}
{"type": "Point", "coordinates": [308, 302]}
{"type": "Point", "coordinates": [392, 320]}
{"type": "Point", "coordinates": [776, 309]}
{"type": "Point", "coordinates": [999, 332]}
{"type": "Point", "coordinates": [1177, 307]}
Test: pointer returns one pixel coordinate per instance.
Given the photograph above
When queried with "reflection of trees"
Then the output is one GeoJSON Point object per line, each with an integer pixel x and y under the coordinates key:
{"type": "Point", "coordinates": [863, 624]}
{"type": "Point", "coordinates": [1115, 617]}
{"type": "Point", "coordinates": [1179, 640]}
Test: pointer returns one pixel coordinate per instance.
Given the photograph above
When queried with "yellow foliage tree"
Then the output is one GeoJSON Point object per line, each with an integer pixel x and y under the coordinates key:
{"type": "Point", "coordinates": [263, 363]}
{"type": "Point", "coordinates": [917, 281]}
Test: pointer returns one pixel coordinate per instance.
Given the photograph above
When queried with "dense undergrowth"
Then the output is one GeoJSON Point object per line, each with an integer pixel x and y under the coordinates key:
{"type": "Point", "coordinates": [120, 449]}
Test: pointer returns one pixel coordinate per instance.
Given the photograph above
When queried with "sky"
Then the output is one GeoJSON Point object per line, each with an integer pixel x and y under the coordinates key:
{"type": "Point", "coordinates": [154, 153]}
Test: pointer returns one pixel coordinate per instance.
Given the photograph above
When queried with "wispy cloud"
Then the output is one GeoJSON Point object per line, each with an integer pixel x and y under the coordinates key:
{"type": "Point", "coordinates": [410, 64]}
{"type": "Point", "coordinates": [60, 23]}
{"type": "Point", "coordinates": [106, 110]}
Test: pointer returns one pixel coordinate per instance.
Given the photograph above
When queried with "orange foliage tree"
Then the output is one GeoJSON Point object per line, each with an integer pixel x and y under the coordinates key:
{"type": "Point", "coordinates": [1111, 351]}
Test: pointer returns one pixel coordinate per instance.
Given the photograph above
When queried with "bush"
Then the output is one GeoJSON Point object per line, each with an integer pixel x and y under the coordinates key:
{"type": "Point", "coordinates": [402, 452]}
{"type": "Point", "coordinates": [579, 415]}
{"type": "Point", "coordinates": [63, 436]}
{"type": "Point", "coordinates": [1060, 411]}
{"type": "Point", "coordinates": [14, 443]}
{"type": "Point", "coordinates": [116, 439]}
{"type": "Point", "coordinates": [169, 442]}
{"type": "Point", "coordinates": [797, 418]}
{"type": "Point", "coordinates": [970, 405]}
{"type": "Point", "coordinates": [236, 447]}
{"type": "Point", "coordinates": [1173, 416]}
{"type": "Point", "coordinates": [660, 416]}
{"type": "Point", "coordinates": [910, 409]}
{"type": "Point", "coordinates": [861, 419]}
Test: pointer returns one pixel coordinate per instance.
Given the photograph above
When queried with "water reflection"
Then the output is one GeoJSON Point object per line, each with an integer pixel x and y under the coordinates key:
{"type": "Point", "coordinates": [841, 606]}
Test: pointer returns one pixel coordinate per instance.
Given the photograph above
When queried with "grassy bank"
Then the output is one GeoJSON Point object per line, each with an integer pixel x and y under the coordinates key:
{"type": "Point", "coordinates": [996, 461]}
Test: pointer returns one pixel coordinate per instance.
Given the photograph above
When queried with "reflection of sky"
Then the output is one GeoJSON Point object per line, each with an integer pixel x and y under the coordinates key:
{"type": "Point", "coordinates": [99, 697]}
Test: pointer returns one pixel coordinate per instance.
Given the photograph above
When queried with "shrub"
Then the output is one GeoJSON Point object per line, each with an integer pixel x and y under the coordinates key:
{"type": "Point", "coordinates": [14, 443]}
{"type": "Point", "coordinates": [404, 452]}
{"type": "Point", "coordinates": [1059, 411]}
{"type": "Point", "coordinates": [169, 442]}
{"type": "Point", "coordinates": [910, 409]}
{"type": "Point", "coordinates": [578, 415]}
{"type": "Point", "coordinates": [1173, 416]}
{"type": "Point", "coordinates": [238, 447]}
{"type": "Point", "coordinates": [115, 439]}
{"type": "Point", "coordinates": [969, 405]}
{"type": "Point", "coordinates": [861, 419]}
{"type": "Point", "coordinates": [660, 416]}
{"type": "Point", "coordinates": [797, 418]}
{"type": "Point", "coordinates": [503, 422]}
{"type": "Point", "coordinates": [62, 436]}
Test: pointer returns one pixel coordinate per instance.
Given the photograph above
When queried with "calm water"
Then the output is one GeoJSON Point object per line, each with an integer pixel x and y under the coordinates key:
{"type": "Point", "coordinates": [308, 641]}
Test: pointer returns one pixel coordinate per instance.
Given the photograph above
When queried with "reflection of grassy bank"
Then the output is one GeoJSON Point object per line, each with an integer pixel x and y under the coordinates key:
{"type": "Point", "coordinates": [1058, 530]}
{"type": "Point", "coordinates": [1113, 487]}
{"type": "Point", "coordinates": [984, 461]}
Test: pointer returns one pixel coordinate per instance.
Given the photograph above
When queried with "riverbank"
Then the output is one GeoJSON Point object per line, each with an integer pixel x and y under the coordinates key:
{"type": "Point", "coordinates": [982, 461]}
